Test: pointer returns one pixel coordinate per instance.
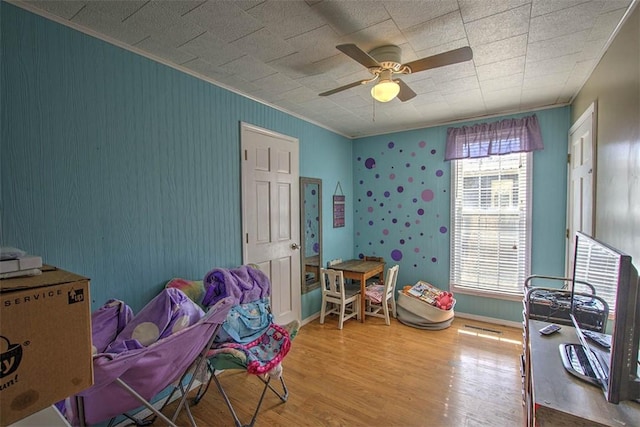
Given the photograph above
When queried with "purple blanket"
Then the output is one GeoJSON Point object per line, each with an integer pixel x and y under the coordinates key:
{"type": "Point", "coordinates": [243, 284]}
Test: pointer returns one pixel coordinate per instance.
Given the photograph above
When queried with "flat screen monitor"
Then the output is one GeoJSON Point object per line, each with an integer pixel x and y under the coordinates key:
{"type": "Point", "coordinates": [611, 271]}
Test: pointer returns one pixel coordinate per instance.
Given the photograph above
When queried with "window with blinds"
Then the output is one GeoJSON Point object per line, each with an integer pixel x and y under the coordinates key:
{"type": "Point", "coordinates": [491, 224]}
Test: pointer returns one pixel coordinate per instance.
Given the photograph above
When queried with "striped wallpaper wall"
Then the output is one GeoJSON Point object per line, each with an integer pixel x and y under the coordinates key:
{"type": "Point", "coordinates": [126, 170]}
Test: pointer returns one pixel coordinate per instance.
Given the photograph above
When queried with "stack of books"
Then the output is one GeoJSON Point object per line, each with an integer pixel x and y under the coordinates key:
{"type": "Point", "coordinates": [425, 291]}
{"type": "Point", "coordinates": [17, 263]}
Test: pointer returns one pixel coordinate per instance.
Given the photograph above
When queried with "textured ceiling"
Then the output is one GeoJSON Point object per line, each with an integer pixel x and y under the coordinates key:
{"type": "Point", "coordinates": [527, 54]}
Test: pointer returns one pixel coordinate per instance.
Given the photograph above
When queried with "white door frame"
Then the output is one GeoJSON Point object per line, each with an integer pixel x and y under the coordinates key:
{"type": "Point", "coordinates": [587, 226]}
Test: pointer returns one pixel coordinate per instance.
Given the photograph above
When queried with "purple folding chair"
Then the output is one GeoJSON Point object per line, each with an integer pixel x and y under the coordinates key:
{"type": "Point", "coordinates": [129, 370]}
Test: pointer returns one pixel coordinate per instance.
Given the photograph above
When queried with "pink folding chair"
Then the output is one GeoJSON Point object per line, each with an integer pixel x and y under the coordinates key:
{"type": "Point", "coordinates": [249, 340]}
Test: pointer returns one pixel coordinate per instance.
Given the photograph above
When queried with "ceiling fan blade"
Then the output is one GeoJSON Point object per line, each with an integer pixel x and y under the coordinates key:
{"type": "Point", "coordinates": [440, 60]}
{"type": "Point", "coordinates": [345, 87]}
{"type": "Point", "coordinates": [406, 93]}
{"type": "Point", "coordinates": [354, 52]}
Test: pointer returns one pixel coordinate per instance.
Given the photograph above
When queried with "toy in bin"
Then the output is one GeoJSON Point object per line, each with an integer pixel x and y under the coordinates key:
{"type": "Point", "coordinates": [425, 306]}
{"type": "Point", "coordinates": [444, 301]}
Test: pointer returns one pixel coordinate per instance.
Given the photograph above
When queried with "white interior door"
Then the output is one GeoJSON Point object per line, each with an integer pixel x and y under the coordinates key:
{"type": "Point", "coordinates": [271, 215]}
{"type": "Point", "coordinates": [581, 180]}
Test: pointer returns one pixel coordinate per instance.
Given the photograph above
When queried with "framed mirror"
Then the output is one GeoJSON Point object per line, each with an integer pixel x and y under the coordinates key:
{"type": "Point", "coordinates": [310, 232]}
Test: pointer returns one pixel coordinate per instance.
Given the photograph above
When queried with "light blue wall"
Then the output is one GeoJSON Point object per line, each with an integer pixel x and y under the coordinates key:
{"type": "Point", "coordinates": [402, 206]}
{"type": "Point", "coordinates": [127, 171]}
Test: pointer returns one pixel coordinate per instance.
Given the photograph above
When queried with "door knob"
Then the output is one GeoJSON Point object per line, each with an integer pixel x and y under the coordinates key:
{"type": "Point", "coordinates": [295, 246]}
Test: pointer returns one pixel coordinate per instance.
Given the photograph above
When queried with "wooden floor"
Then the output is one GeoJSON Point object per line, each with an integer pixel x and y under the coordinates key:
{"type": "Point", "coordinates": [376, 375]}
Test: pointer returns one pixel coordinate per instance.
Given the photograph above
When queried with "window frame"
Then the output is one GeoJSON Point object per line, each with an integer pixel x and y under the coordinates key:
{"type": "Point", "coordinates": [517, 290]}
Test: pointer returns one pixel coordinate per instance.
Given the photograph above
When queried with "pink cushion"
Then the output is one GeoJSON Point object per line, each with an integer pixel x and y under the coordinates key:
{"type": "Point", "coordinates": [375, 293]}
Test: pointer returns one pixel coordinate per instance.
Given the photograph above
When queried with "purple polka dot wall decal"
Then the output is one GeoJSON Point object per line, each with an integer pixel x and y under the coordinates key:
{"type": "Point", "coordinates": [387, 194]}
{"type": "Point", "coordinates": [423, 167]}
{"type": "Point", "coordinates": [434, 259]}
{"type": "Point", "coordinates": [392, 176]}
{"type": "Point", "coordinates": [427, 195]}
{"type": "Point", "coordinates": [415, 200]}
{"type": "Point", "coordinates": [407, 224]}
{"type": "Point", "coordinates": [370, 222]}
{"type": "Point", "coordinates": [390, 144]}
{"type": "Point", "coordinates": [416, 250]}
{"type": "Point", "coordinates": [396, 255]}
{"type": "Point", "coordinates": [439, 172]}
{"type": "Point", "coordinates": [316, 247]}
{"type": "Point", "coordinates": [385, 232]}
{"type": "Point", "coordinates": [410, 179]}
{"type": "Point", "coordinates": [369, 193]}
{"type": "Point", "coordinates": [420, 211]}
{"type": "Point", "coordinates": [394, 220]}
{"type": "Point", "coordinates": [402, 241]}
{"type": "Point", "coordinates": [422, 144]}
{"type": "Point", "coordinates": [400, 189]}
{"type": "Point", "coordinates": [433, 151]}
{"type": "Point", "coordinates": [381, 204]}
{"type": "Point", "coordinates": [370, 163]}
{"type": "Point", "coordinates": [443, 229]}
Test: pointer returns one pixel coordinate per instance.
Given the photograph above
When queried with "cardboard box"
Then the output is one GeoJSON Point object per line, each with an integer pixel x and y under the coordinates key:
{"type": "Point", "coordinates": [45, 341]}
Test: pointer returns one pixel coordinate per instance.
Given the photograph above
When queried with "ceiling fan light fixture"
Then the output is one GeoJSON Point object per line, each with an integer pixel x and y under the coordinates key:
{"type": "Point", "coordinates": [385, 90]}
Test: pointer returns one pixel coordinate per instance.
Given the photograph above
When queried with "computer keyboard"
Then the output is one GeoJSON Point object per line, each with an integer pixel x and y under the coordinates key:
{"type": "Point", "coordinates": [580, 362]}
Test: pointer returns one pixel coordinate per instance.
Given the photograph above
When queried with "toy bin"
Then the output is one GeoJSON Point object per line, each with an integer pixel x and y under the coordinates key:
{"type": "Point", "coordinates": [423, 309]}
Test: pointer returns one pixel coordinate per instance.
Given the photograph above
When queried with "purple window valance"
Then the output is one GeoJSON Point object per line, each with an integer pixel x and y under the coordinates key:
{"type": "Point", "coordinates": [489, 139]}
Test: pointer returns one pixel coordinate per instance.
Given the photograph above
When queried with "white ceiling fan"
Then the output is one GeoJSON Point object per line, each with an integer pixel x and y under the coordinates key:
{"type": "Point", "coordinates": [384, 62]}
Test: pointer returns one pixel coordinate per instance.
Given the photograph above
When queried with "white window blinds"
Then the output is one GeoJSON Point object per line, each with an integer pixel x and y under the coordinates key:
{"type": "Point", "coordinates": [490, 224]}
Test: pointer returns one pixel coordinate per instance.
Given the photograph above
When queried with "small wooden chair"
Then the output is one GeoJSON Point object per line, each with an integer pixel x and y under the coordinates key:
{"type": "Point", "coordinates": [380, 297]}
{"type": "Point", "coordinates": [373, 281]}
{"type": "Point", "coordinates": [345, 303]}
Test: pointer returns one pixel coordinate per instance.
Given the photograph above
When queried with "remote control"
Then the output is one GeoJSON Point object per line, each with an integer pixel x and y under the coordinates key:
{"type": "Point", "coordinates": [549, 329]}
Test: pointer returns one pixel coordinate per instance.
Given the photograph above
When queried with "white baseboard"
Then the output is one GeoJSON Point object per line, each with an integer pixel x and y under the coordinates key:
{"type": "Point", "coordinates": [310, 319]}
{"type": "Point", "coordinates": [491, 320]}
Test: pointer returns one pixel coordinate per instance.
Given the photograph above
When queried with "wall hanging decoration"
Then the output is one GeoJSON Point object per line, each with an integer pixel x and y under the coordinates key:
{"type": "Point", "coordinates": [338, 207]}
